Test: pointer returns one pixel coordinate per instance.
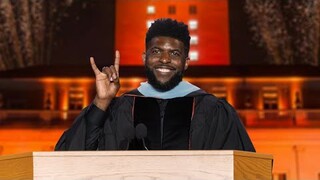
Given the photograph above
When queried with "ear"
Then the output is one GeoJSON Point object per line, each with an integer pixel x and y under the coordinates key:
{"type": "Point", "coordinates": [186, 64]}
{"type": "Point", "coordinates": [144, 57]}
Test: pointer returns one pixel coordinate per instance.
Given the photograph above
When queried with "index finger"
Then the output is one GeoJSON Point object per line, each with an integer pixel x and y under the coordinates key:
{"type": "Point", "coordinates": [117, 61]}
{"type": "Point", "coordinates": [94, 66]}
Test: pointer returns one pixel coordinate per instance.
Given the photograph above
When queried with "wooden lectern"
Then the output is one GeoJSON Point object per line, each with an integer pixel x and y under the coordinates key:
{"type": "Point", "coordinates": [137, 165]}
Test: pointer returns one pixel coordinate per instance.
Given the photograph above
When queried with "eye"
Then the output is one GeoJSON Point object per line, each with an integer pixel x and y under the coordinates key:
{"type": "Point", "coordinates": [155, 51]}
{"type": "Point", "coordinates": [176, 53]}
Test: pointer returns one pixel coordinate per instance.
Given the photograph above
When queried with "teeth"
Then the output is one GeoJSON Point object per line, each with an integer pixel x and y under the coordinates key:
{"type": "Point", "coordinates": [163, 70]}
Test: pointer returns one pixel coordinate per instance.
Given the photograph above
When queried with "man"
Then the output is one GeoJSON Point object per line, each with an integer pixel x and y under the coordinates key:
{"type": "Point", "coordinates": [164, 112]}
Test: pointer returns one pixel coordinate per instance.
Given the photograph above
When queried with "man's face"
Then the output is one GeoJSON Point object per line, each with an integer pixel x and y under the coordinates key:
{"type": "Point", "coordinates": [165, 62]}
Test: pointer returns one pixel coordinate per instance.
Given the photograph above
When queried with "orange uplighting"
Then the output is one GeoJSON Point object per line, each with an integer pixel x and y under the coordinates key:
{"type": "Point", "coordinates": [296, 89]}
{"type": "Point", "coordinates": [85, 98]}
{"type": "Point", "coordinates": [65, 85]}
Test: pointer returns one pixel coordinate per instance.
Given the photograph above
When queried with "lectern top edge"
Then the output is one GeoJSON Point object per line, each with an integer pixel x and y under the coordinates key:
{"type": "Point", "coordinates": [137, 153]}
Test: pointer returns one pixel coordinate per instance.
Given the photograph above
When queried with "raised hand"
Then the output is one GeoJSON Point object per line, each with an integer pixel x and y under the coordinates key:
{"type": "Point", "coordinates": [107, 82]}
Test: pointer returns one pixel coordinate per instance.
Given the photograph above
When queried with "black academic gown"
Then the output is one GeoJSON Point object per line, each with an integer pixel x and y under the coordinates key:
{"type": "Point", "coordinates": [198, 121]}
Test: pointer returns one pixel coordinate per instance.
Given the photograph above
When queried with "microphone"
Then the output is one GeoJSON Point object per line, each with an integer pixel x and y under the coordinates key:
{"type": "Point", "coordinates": [141, 133]}
{"type": "Point", "coordinates": [128, 136]}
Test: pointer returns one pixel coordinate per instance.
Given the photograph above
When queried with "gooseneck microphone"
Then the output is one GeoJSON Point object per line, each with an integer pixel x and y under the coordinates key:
{"type": "Point", "coordinates": [128, 136]}
{"type": "Point", "coordinates": [141, 133]}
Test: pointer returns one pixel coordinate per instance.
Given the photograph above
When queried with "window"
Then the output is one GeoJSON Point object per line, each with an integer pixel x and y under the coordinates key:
{"type": "Point", "coordinates": [270, 97]}
{"type": "Point", "coordinates": [148, 23]}
{"type": "Point", "coordinates": [194, 55]}
{"type": "Point", "coordinates": [193, 39]}
{"type": "Point", "coordinates": [76, 96]}
{"type": "Point", "coordinates": [192, 9]}
{"type": "Point", "coordinates": [172, 9]}
{"type": "Point", "coordinates": [193, 24]}
{"type": "Point", "coordinates": [151, 10]}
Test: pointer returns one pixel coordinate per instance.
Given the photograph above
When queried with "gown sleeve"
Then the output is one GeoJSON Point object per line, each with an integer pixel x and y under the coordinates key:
{"type": "Point", "coordinates": [85, 132]}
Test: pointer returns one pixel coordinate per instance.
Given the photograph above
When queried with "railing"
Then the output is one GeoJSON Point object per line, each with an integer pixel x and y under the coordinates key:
{"type": "Point", "coordinates": [251, 118]}
{"type": "Point", "coordinates": [280, 118]}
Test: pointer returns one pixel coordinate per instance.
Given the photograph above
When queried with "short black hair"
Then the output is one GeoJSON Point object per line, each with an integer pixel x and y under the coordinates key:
{"type": "Point", "coordinates": [170, 28]}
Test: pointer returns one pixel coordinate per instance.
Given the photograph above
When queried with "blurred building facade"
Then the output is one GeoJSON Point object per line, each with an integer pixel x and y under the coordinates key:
{"type": "Point", "coordinates": [279, 105]}
{"type": "Point", "coordinates": [280, 113]}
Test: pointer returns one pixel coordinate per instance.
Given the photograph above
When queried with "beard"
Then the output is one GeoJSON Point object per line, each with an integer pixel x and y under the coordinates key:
{"type": "Point", "coordinates": [173, 82]}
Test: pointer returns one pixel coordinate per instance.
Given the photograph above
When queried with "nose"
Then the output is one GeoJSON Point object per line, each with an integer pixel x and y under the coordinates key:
{"type": "Point", "coordinates": [165, 58]}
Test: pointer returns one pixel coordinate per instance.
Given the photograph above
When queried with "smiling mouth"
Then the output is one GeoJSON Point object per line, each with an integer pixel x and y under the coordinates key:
{"type": "Point", "coordinates": [164, 69]}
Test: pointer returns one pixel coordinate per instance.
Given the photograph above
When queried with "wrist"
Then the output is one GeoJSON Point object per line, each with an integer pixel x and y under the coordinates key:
{"type": "Point", "coordinates": [102, 104]}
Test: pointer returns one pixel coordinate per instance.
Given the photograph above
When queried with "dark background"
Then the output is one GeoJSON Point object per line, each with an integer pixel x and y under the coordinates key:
{"type": "Point", "coordinates": [89, 30]}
